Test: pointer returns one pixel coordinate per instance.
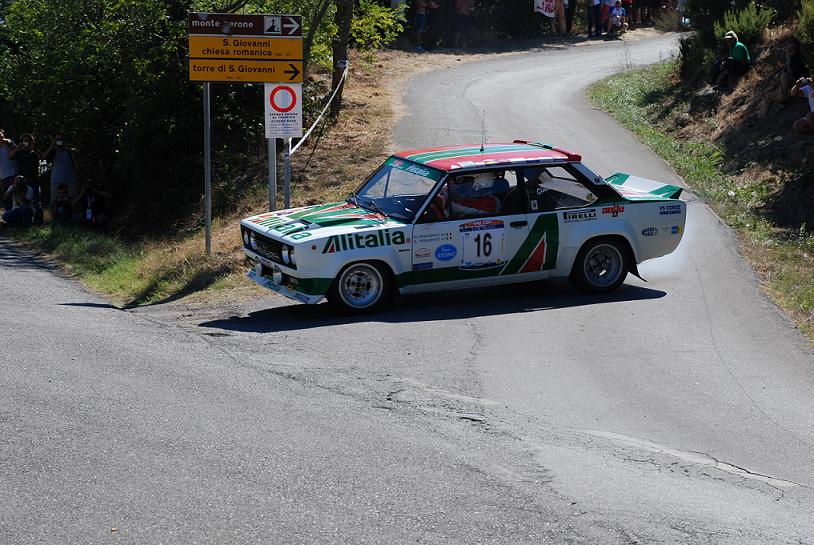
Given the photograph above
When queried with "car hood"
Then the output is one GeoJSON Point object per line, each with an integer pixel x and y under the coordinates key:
{"type": "Point", "coordinates": [324, 219]}
{"type": "Point", "coordinates": [634, 188]}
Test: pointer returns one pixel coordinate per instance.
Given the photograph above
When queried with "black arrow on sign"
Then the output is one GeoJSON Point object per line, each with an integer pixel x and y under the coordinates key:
{"type": "Point", "coordinates": [294, 72]}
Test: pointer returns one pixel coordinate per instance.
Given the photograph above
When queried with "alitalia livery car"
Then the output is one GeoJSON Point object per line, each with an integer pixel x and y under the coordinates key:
{"type": "Point", "coordinates": [465, 216]}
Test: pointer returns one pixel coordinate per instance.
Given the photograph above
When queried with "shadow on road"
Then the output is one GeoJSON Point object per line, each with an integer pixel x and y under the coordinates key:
{"type": "Point", "coordinates": [13, 255]}
{"type": "Point", "coordinates": [451, 305]}
{"type": "Point", "coordinates": [90, 305]}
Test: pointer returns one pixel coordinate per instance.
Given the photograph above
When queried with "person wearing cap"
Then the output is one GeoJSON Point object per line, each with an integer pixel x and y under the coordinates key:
{"type": "Point", "coordinates": [617, 18]}
{"type": "Point", "coordinates": [727, 70]}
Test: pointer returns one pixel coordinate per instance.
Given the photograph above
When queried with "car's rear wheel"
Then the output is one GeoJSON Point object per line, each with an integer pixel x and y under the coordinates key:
{"type": "Point", "coordinates": [601, 266]}
{"type": "Point", "coordinates": [361, 287]}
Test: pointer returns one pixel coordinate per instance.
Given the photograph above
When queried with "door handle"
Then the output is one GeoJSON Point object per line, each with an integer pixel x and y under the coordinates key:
{"type": "Point", "coordinates": [519, 224]}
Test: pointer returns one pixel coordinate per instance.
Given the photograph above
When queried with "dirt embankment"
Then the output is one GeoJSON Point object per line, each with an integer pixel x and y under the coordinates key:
{"type": "Point", "coordinates": [752, 125]}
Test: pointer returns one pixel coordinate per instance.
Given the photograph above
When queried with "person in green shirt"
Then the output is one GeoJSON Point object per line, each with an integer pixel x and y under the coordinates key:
{"type": "Point", "coordinates": [726, 71]}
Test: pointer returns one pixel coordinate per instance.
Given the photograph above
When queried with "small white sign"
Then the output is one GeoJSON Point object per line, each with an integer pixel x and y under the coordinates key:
{"type": "Point", "coordinates": [283, 110]}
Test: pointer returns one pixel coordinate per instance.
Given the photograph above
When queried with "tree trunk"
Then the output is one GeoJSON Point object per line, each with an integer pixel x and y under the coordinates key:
{"type": "Point", "coordinates": [316, 21]}
{"type": "Point", "coordinates": [339, 47]}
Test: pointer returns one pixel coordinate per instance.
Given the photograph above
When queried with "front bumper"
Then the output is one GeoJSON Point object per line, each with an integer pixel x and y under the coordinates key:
{"type": "Point", "coordinates": [264, 279]}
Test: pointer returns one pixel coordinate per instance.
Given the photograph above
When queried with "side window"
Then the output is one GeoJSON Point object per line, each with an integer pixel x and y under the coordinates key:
{"type": "Point", "coordinates": [480, 194]}
{"type": "Point", "coordinates": [555, 187]}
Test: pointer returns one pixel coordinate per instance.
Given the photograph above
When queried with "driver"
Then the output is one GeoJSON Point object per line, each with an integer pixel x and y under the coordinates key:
{"type": "Point", "coordinates": [471, 198]}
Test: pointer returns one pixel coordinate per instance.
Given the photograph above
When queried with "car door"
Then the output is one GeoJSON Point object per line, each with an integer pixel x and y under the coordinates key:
{"type": "Point", "coordinates": [466, 235]}
{"type": "Point", "coordinates": [560, 201]}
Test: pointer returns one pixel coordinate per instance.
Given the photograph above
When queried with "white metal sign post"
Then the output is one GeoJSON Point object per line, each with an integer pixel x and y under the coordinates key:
{"type": "Point", "coordinates": [283, 104]}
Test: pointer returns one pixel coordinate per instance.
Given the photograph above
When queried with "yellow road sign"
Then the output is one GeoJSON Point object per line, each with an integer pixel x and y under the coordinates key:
{"type": "Point", "coordinates": [226, 70]}
{"type": "Point", "coordinates": [244, 48]}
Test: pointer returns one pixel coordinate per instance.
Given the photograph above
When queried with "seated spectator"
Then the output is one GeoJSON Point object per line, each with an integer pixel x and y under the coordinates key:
{"type": "Point", "coordinates": [802, 88]}
{"type": "Point", "coordinates": [726, 71]}
{"type": "Point", "coordinates": [92, 206]}
{"type": "Point", "coordinates": [21, 210]}
{"type": "Point", "coordinates": [617, 19]}
{"type": "Point", "coordinates": [62, 209]}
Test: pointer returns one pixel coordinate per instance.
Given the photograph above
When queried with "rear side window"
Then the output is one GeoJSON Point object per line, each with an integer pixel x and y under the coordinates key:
{"type": "Point", "coordinates": [555, 187]}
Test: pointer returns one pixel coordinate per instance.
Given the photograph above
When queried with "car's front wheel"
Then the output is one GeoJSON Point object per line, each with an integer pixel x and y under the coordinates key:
{"type": "Point", "coordinates": [600, 267]}
{"type": "Point", "coordinates": [361, 287]}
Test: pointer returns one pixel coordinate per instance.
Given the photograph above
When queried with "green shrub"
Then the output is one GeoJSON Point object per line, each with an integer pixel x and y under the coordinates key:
{"type": "Point", "coordinates": [749, 23]}
{"type": "Point", "coordinates": [692, 56]}
{"type": "Point", "coordinates": [805, 31]}
{"type": "Point", "coordinates": [375, 26]}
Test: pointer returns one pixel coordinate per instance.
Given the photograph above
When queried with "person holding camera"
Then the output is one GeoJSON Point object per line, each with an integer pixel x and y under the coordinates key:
{"type": "Point", "coordinates": [802, 88]}
{"type": "Point", "coordinates": [8, 167]}
{"type": "Point", "coordinates": [28, 165]}
{"type": "Point", "coordinates": [21, 210]}
{"type": "Point", "coordinates": [92, 206]}
{"type": "Point", "coordinates": [63, 167]}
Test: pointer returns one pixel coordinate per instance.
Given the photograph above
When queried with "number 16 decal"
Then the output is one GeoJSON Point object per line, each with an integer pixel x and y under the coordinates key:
{"type": "Point", "coordinates": [482, 244]}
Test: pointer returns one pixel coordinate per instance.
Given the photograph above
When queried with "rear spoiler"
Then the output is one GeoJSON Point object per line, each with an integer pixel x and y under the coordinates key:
{"type": "Point", "coordinates": [633, 186]}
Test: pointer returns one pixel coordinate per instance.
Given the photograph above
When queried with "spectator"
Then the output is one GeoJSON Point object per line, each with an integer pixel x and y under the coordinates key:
{"type": "Point", "coordinates": [593, 17]}
{"type": "Point", "coordinates": [28, 166]}
{"type": "Point", "coordinates": [62, 209]}
{"type": "Point", "coordinates": [570, 5]}
{"type": "Point", "coordinates": [802, 88]}
{"type": "Point", "coordinates": [726, 71]}
{"type": "Point", "coordinates": [606, 7]}
{"type": "Point", "coordinates": [21, 211]}
{"type": "Point", "coordinates": [63, 168]}
{"type": "Point", "coordinates": [617, 19]}
{"type": "Point", "coordinates": [92, 206]}
{"type": "Point", "coordinates": [464, 16]}
{"type": "Point", "coordinates": [8, 167]}
{"type": "Point", "coordinates": [420, 7]}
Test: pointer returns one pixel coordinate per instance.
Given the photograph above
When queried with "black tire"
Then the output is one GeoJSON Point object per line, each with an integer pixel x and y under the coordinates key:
{"type": "Point", "coordinates": [600, 266]}
{"type": "Point", "coordinates": [361, 287]}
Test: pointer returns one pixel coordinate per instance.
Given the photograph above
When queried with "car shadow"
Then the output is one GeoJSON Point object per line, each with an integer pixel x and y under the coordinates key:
{"type": "Point", "coordinates": [428, 307]}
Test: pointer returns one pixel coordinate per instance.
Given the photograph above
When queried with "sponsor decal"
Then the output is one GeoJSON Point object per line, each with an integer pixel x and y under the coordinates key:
{"type": "Point", "coordinates": [446, 252]}
{"type": "Point", "coordinates": [582, 215]}
{"type": "Point", "coordinates": [300, 236]}
{"type": "Point", "coordinates": [432, 237]}
{"type": "Point", "coordinates": [351, 241]}
{"type": "Point", "coordinates": [650, 231]}
{"type": "Point", "coordinates": [614, 210]}
{"type": "Point", "coordinates": [481, 225]}
{"type": "Point", "coordinates": [302, 298]}
{"type": "Point", "coordinates": [422, 253]}
{"type": "Point", "coordinates": [669, 209]}
{"type": "Point", "coordinates": [675, 229]}
{"type": "Point", "coordinates": [422, 266]}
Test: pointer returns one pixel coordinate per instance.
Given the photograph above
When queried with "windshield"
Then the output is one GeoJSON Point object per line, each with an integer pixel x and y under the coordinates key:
{"type": "Point", "coordinates": [398, 188]}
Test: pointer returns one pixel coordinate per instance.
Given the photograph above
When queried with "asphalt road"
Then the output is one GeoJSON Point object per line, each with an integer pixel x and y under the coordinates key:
{"type": "Point", "coordinates": [674, 411]}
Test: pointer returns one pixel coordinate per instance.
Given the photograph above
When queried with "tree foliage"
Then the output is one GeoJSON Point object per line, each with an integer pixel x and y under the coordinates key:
{"type": "Point", "coordinates": [748, 23]}
{"type": "Point", "coordinates": [113, 75]}
{"type": "Point", "coordinates": [805, 30]}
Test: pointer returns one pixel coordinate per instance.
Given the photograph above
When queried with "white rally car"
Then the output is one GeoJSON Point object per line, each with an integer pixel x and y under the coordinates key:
{"type": "Point", "coordinates": [464, 216]}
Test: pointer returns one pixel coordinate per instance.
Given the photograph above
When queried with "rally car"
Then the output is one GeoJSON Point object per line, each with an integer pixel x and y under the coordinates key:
{"type": "Point", "coordinates": [465, 216]}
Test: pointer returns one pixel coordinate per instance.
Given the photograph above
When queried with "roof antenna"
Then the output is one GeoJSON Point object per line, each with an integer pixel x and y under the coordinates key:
{"type": "Point", "coordinates": [483, 131]}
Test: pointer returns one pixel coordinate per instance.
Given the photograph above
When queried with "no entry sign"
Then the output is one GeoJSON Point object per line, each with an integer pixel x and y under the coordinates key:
{"type": "Point", "coordinates": [283, 110]}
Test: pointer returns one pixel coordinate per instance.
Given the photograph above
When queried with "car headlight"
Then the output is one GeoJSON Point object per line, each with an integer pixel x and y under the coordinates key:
{"type": "Point", "coordinates": [245, 238]}
{"type": "Point", "coordinates": [277, 275]}
{"type": "Point", "coordinates": [284, 253]}
{"type": "Point", "coordinates": [291, 257]}
{"type": "Point", "coordinates": [252, 240]}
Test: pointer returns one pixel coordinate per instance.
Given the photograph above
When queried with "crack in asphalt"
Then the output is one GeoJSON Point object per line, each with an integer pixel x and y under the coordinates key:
{"type": "Point", "coordinates": [699, 458]}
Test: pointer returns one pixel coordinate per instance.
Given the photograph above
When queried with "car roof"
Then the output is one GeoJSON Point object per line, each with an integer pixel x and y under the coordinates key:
{"type": "Point", "coordinates": [494, 155]}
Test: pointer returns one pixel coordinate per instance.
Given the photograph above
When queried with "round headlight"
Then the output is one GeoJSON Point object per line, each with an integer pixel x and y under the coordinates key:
{"type": "Point", "coordinates": [284, 252]}
{"type": "Point", "coordinates": [277, 275]}
{"type": "Point", "coordinates": [291, 256]}
{"type": "Point", "coordinates": [245, 238]}
{"type": "Point", "coordinates": [252, 240]}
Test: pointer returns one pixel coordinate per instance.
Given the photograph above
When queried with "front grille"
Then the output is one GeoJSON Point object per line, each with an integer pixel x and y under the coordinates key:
{"type": "Point", "coordinates": [269, 248]}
